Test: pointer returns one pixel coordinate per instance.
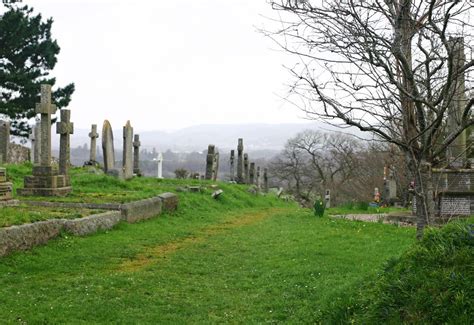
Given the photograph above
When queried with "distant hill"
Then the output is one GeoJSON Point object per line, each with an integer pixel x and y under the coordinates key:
{"type": "Point", "coordinates": [257, 137]}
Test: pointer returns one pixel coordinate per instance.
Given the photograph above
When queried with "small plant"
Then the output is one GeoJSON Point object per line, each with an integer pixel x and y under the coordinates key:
{"type": "Point", "coordinates": [319, 207]}
{"type": "Point", "coordinates": [181, 173]}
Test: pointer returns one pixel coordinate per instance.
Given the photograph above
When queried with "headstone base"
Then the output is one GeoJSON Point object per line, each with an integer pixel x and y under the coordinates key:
{"type": "Point", "coordinates": [138, 172]}
{"type": "Point", "coordinates": [46, 182]}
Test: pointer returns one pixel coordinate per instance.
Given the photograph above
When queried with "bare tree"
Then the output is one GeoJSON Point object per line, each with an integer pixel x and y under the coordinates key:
{"type": "Point", "coordinates": [395, 68]}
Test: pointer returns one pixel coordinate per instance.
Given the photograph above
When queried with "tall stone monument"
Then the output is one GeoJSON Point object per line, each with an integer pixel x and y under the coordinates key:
{"type": "Point", "coordinates": [265, 180]}
{"type": "Point", "coordinates": [240, 161]}
{"type": "Point", "coordinates": [93, 150]}
{"type": "Point", "coordinates": [65, 128]}
{"type": "Point", "coordinates": [211, 149]}
{"type": "Point", "coordinates": [232, 166]}
{"type": "Point", "coordinates": [159, 159]}
{"type": "Point", "coordinates": [456, 152]}
{"type": "Point", "coordinates": [259, 180]}
{"type": "Point", "coordinates": [46, 180]}
{"type": "Point", "coordinates": [252, 173]}
{"type": "Point", "coordinates": [108, 147]}
{"type": "Point", "coordinates": [127, 162]}
{"type": "Point", "coordinates": [4, 141]}
{"type": "Point", "coordinates": [246, 168]}
{"type": "Point", "coordinates": [32, 139]}
{"type": "Point", "coordinates": [136, 155]}
{"type": "Point", "coordinates": [215, 170]}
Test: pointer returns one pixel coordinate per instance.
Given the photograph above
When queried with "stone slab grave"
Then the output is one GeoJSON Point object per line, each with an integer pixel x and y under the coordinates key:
{"type": "Point", "coordinates": [217, 194]}
{"type": "Point", "coordinates": [6, 188]}
{"type": "Point", "coordinates": [26, 236]}
{"type": "Point", "coordinates": [46, 179]}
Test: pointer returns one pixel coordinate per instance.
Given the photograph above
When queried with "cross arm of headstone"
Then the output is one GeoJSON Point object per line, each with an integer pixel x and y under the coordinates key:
{"type": "Point", "coordinates": [64, 127]}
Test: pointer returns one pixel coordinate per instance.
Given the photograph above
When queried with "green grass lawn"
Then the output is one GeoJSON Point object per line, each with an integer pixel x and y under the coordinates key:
{"type": "Point", "coordinates": [370, 210]}
{"type": "Point", "coordinates": [241, 259]}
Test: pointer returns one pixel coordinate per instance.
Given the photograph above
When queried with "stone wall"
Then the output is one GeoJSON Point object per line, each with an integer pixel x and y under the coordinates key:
{"type": "Point", "coordinates": [456, 205]}
{"type": "Point", "coordinates": [18, 154]}
{"type": "Point", "coordinates": [141, 210]}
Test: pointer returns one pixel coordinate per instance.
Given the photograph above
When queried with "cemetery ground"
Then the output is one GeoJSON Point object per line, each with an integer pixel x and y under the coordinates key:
{"type": "Point", "coordinates": [240, 259]}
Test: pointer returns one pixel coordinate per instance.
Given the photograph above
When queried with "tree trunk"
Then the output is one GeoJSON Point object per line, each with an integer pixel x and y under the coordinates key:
{"type": "Point", "coordinates": [424, 194]}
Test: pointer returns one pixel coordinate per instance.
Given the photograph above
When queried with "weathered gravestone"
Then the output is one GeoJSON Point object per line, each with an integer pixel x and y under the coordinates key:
{"type": "Point", "coordinates": [232, 160]}
{"type": "Point", "coordinates": [259, 181]}
{"type": "Point", "coordinates": [215, 170]}
{"type": "Point", "coordinates": [127, 162]}
{"type": "Point", "coordinates": [252, 173]}
{"type": "Point", "coordinates": [265, 180]}
{"type": "Point", "coordinates": [210, 161]}
{"type": "Point", "coordinates": [108, 147]}
{"type": "Point", "coordinates": [159, 159]}
{"type": "Point", "coordinates": [32, 139]}
{"type": "Point", "coordinates": [136, 155]}
{"type": "Point", "coordinates": [93, 150]}
{"type": "Point", "coordinates": [6, 188]}
{"type": "Point", "coordinates": [4, 141]}
{"type": "Point", "coordinates": [327, 199]}
{"type": "Point", "coordinates": [246, 168]}
{"type": "Point", "coordinates": [240, 162]}
{"type": "Point", "coordinates": [45, 180]}
{"type": "Point", "coordinates": [65, 128]}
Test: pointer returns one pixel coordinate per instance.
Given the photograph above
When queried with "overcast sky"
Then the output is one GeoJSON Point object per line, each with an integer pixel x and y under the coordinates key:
{"type": "Point", "coordinates": [169, 64]}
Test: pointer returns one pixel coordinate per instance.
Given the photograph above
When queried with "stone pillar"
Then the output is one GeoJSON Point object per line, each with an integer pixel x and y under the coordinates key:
{"type": "Point", "coordinates": [159, 159]}
{"type": "Point", "coordinates": [215, 165]}
{"type": "Point", "coordinates": [265, 180]}
{"type": "Point", "coordinates": [246, 168]}
{"type": "Point", "coordinates": [252, 173]}
{"type": "Point", "coordinates": [93, 135]}
{"type": "Point", "coordinates": [210, 161]}
{"type": "Point", "coordinates": [456, 152]}
{"type": "Point", "coordinates": [240, 162]}
{"type": "Point", "coordinates": [46, 109]}
{"type": "Point", "coordinates": [259, 181]}
{"type": "Point", "coordinates": [37, 150]}
{"type": "Point", "coordinates": [127, 162]}
{"type": "Point", "coordinates": [108, 147]}
{"type": "Point", "coordinates": [4, 141]}
{"type": "Point", "coordinates": [232, 160]}
{"type": "Point", "coordinates": [136, 155]}
{"type": "Point", "coordinates": [64, 128]}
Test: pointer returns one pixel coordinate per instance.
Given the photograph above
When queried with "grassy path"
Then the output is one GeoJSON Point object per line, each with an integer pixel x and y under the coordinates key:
{"type": "Point", "coordinates": [248, 266]}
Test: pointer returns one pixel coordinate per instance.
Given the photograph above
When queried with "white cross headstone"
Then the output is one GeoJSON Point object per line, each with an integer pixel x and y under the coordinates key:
{"type": "Point", "coordinates": [159, 160]}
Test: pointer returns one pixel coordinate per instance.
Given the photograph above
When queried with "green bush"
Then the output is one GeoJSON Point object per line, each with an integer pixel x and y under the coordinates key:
{"type": "Point", "coordinates": [431, 283]}
{"type": "Point", "coordinates": [361, 206]}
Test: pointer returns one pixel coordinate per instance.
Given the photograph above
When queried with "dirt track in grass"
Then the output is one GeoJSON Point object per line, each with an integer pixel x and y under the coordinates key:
{"type": "Point", "coordinates": [153, 255]}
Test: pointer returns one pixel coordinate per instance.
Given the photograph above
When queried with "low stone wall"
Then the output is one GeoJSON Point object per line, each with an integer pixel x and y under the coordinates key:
{"type": "Point", "coordinates": [26, 236]}
{"type": "Point", "coordinates": [141, 210]}
{"type": "Point", "coordinates": [92, 224]}
{"type": "Point", "coordinates": [74, 205]}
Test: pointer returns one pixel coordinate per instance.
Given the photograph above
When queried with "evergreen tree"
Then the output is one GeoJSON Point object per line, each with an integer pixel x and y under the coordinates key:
{"type": "Point", "coordinates": [27, 55]}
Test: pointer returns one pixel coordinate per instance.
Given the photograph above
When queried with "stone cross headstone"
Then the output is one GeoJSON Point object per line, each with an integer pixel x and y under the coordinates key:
{"type": "Point", "coordinates": [159, 159]}
{"type": "Point", "coordinates": [127, 162]}
{"type": "Point", "coordinates": [232, 160]}
{"type": "Point", "coordinates": [64, 128]}
{"type": "Point", "coordinates": [210, 161]}
{"type": "Point", "coordinates": [45, 180]}
{"type": "Point", "coordinates": [246, 168]}
{"type": "Point", "coordinates": [4, 140]}
{"type": "Point", "coordinates": [108, 147]}
{"type": "Point", "coordinates": [37, 150]}
{"type": "Point", "coordinates": [265, 180]}
{"type": "Point", "coordinates": [240, 161]}
{"type": "Point", "coordinates": [136, 155]}
{"type": "Point", "coordinates": [252, 173]}
{"type": "Point", "coordinates": [93, 135]}
{"type": "Point", "coordinates": [46, 109]}
{"type": "Point", "coordinates": [215, 170]}
{"type": "Point", "coordinates": [457, 149]}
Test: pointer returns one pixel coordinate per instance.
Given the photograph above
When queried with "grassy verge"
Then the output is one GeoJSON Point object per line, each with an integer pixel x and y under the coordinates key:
{"type": "Point", "coordinates": [431, 283]}
{"type": "Point", "coordinates": [240, 259]}
{"type": "Point", "coordinates": [367, 210]}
